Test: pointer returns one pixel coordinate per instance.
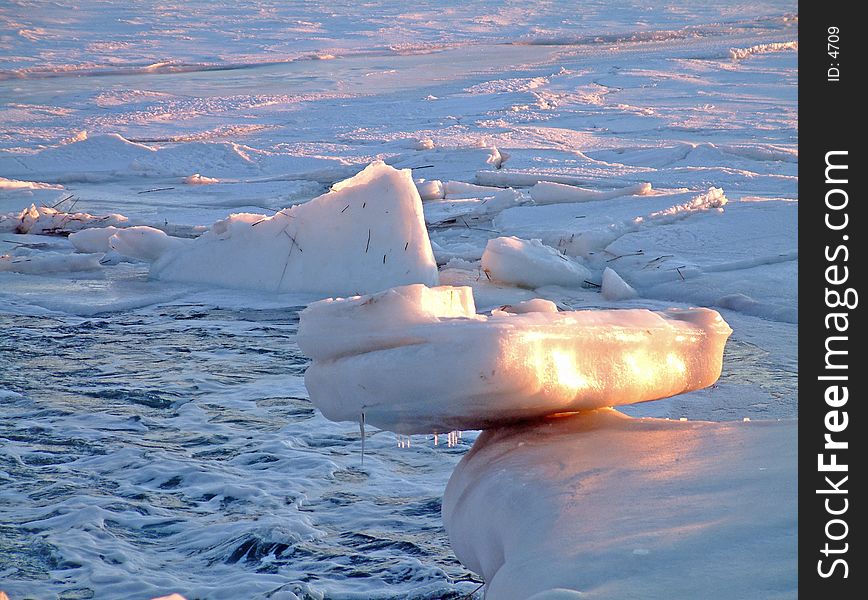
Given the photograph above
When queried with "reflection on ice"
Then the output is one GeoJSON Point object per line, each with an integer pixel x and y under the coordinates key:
{"type": "Point", "coordinates": [601, 504]}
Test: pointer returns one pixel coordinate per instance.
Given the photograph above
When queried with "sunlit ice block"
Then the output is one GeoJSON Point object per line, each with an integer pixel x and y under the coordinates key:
{"type": "Point", "coordinates": [416, 359]}
{"type": "Point", "coordinates": [600, 505]}
{"type": "Point", "coordinates": [366, 234]}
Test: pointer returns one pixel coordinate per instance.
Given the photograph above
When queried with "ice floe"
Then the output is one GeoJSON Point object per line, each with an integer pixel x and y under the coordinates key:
{"type": "Point", "coordinates": [365, 235]}
{"type": "Point", "coordinates": [420, 360]}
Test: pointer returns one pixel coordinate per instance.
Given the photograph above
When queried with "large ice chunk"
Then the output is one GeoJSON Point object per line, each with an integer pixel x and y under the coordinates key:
{"type": "Point", "coordinates": [419, 360]}
{"type": "Point", "coordinates": [366, 234]}
{"type": "Point", "coordinates": [531, 264]}
{"type": "Point", "coordinates": [611, 507]}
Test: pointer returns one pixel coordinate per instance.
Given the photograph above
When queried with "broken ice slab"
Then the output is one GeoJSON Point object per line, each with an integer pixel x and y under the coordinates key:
{"type": "Point", "coordinates": [366, 234]}
{"type": "Point", "coordinates": [415, 359]}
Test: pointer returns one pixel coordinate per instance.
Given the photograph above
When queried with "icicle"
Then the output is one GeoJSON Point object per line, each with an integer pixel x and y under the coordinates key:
{"type": "Point", "coordinates": [362, 431]}
{"type": "Point", "coordinates": [452, 439]}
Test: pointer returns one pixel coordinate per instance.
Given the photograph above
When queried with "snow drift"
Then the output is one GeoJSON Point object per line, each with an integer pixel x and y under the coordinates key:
{"type": "Point", "coordinates": [420, 360]}
{"type": "Point", "coordinates": [365, 235]}
{"type": "Point", "coordinates": [599, 505]}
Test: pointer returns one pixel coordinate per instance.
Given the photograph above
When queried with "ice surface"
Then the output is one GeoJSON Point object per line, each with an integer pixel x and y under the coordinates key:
{"type": "Point", "coordinates": [366, 234]}
{"type": "Point", "coordinates": [582, 229]}
{"type": "Point", "coordinates": [712, 259]}
{"type": "Point", "coordinates": [49, 262]}
{"type": "Point", "coordinates": [612, 507]}
{"type": "Point", "coordinates": [417, 360]}
{"type": "Point", "coordinates": [531, 264]}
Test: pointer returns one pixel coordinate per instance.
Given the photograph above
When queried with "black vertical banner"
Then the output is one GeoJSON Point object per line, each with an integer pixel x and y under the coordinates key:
{"type": "Point", "coordinates": [831, 357]}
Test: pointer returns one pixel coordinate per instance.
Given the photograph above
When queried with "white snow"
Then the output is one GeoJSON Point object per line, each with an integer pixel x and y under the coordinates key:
{"type": "Point", "coordinates": [531, 264]}
{"type": "Point", "coordinates": [450, 162]}
{"type": "Point", "coordinates": [611, 507]}
{"type": "Point", "coordinates": [106, 158]}
{"type": "Point", "coordinates": [366, 234]}
{"type": "Point", "coordinates": [419, 361]}
{"type": "Point", "coordinates": [510, 178]}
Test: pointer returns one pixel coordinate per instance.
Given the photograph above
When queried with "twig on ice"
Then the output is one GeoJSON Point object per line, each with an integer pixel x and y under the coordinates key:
{"type": "Point", "coordinates": [155, 190]}
{"type": "Point", "coordinates": [62, 201]}
{"type": "Point", "coordinates": [639, 253]}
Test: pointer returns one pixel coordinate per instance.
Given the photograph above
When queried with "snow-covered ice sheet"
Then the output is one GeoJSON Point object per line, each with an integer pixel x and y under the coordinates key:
{"type": "Point", "coordinates": [417, 360]}
{"type": "Point", "coordinates": [603, 506]}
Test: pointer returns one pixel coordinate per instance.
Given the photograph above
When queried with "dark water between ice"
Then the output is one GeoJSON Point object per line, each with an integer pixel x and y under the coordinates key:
{"type": "Point", "coordinates": [174, 449]}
